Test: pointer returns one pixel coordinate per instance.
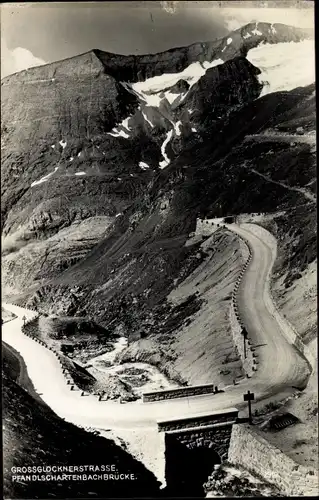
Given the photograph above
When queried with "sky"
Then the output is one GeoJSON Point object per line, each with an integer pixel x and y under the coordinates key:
{"type": "Point", "coordinates": [38, 33]}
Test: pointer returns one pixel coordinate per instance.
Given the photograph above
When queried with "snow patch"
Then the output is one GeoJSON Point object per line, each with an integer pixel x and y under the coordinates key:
{"type": "Point", "coordinates": [284, 66]}
{"type": "Point", "coordinates": [206, 64]}
{"type": "Point", "coordinates": [153, 100]}
{"type": "Point", "coordinates": [79, 154]}
{"type": "Point", "coordinates": [71, 158]}
{"type": "Point", "coordinates": [80, 173]}
{"type": "Point", "coordinates": [53, 146]}
{"type": "Point", "coordinates": [63, 143]}
{"type": "Point", "coordinates": [248, 35]}
{"type": "Point", "coordinates": [171, 97]}
{"type": "Point", "coordinates": [190, 111]}
{"type": "Point", "coordinates": [45, 178]}
{"type": "Point", "coordinates": [312, 95]}
{"type": "Point", "coordinates": [125, 123]}
{"type": "Point", "coordinates": [166, 160]}
{"type": "Point", "coordinates": [229, 41]}
{"type": "Point", "coordinates": [272, 29]}
{"type": "Point", "coordinates": [152, 91]}
{"type": "Point", "coordinates": [117, 132]}
{"type": "Point", "coordinates": [143, 165]}
{"type": "Point", "coordinates": [256, 30]}
{"type": "Point", "coordinates": [118, 215]}
{"type": "Point", "coordinates": [177, 126]}
{"type": "Point", "coordinates": [120, 133]}
{"type": "Point", "coordinates": [146, 119]}
{"type": "Point", "coordinates": [194, 129]}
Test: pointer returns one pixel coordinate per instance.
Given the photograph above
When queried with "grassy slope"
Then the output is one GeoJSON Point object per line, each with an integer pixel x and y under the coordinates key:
{"type": "Point", "coordinates": [294, 281]}
{"type": "Point", "coordinates": [199, 348]}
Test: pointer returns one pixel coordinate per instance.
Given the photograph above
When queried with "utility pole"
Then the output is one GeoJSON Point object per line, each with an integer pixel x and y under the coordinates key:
{"type": "Point", "coordinates": [249, 396]}
{"type": "Point", "coordinates": [24, 319]}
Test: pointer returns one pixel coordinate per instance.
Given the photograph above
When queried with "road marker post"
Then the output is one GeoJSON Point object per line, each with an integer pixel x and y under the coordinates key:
{"type": "Point", "coordinates": [249, 396]}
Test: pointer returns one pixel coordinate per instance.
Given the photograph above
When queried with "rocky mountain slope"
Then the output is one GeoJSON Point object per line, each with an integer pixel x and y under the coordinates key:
{"type": "Point", "coordinates": [108, 160]}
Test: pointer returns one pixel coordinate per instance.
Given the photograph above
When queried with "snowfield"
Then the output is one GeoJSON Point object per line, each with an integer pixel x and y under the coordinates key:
{"type": "Point", "coordinates": [149, 89]}
{"type": "Point", "coordinates": [191, 74]}
{"type": "Point", "coordinates": [285, 66]}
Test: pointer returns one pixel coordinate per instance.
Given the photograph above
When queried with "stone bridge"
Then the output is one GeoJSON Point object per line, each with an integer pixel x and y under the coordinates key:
{"type": "Point", "coordinates": [193, 446]}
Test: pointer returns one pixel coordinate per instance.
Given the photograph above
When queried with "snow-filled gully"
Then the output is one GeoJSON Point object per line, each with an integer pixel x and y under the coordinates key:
{"type": "Point", "coordinates": [166, 160]}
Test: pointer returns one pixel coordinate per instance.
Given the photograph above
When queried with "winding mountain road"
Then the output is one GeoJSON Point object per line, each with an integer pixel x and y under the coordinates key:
{"type": "Point", "coordinates": [280, 365]}
{"type": "Point", "coordinates": [305, 192]}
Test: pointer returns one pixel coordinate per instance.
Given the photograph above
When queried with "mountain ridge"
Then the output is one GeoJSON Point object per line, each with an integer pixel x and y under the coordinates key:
{"type": "Point", "coordinates": [286, 33]}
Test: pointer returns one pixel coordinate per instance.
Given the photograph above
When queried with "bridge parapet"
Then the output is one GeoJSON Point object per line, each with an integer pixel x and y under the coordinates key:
{"type": "Point", "coordinates": [227, 416]}
{"type": "Point", "coordinates": [179, 392]}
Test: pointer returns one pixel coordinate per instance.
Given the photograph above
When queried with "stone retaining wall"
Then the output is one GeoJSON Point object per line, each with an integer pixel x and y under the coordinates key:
{"type": "Point", "coordinates": [180, 392]}
{"type": "Point", "coordinates": [204, 227]}
{"type": "Point", "coordinates": [250, 450]}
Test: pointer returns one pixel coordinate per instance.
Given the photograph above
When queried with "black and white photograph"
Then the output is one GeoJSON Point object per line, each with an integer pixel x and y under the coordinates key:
{"type": "Point", "coordinates": [159, 249]}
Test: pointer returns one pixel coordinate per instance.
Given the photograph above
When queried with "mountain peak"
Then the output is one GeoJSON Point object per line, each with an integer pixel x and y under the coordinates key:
{"type": "Point", "coordinates": [79, 65]}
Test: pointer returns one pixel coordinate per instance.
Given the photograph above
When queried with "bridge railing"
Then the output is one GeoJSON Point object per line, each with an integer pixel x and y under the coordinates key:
{"type": "Point", "coordinates": [179, 392]}
{"type": "Point", "coordinates": [219, 417]}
